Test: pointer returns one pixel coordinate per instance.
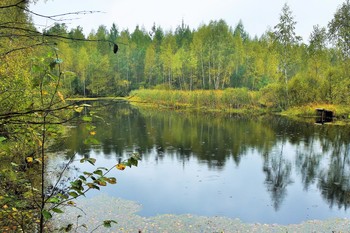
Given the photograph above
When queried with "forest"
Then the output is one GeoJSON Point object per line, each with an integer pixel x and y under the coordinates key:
{"type": "Point", "coordinates": [216, 56]}
{"type": "Point", "coordinates": [40, 70]}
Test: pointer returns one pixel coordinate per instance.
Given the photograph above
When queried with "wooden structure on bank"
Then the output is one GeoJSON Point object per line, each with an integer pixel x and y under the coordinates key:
{"type": "Point", "coordinates": [324, 116]}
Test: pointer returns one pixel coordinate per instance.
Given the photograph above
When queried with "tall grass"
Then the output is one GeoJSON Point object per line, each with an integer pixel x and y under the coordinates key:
{"type": "Point", "coordinates": [239, 100]}
{"type": "Point", "coordinates": [228, 99]}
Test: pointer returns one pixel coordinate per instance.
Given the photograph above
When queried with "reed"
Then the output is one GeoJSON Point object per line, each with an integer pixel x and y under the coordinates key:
{"type": "Point", "coordinates": [232, 100]}
{"type": "Point", "coordinates": [224, 100]}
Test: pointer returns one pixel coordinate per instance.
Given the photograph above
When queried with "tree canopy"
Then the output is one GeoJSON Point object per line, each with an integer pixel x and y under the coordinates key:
{"type": "Point", "coordinates": [213, 56]}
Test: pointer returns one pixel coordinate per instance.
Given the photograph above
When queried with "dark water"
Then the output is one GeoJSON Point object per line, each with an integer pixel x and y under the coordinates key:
{"type": "Point", "coordinates": [262, 169]}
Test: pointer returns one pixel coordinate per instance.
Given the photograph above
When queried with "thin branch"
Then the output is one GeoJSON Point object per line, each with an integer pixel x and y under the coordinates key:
{"type": "Point", "coordinates": [22, 29]}
{"type": "Point", "coordinates": [71, 159]}
{"type": "Point", "coordinates": [36, 33]}
{"type": "Point", "coordinates": [14, 122]}
{"type": "Point", "coordinates": [52, 17]}
{"type": "Point", "coordinates": [43, 35]}
{"type": "Point", "coordinates": [16, 114]}
{"type": "Point", "coordinates": [22, 48]}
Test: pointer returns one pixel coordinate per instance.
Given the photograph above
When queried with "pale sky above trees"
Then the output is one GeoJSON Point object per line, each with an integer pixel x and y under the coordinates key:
{"type": "Point", "coordinates": [257, 16]}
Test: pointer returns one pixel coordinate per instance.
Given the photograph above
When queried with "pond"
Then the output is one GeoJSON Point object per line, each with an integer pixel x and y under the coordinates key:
{"type": "Point", "coordinates": [264, 169]}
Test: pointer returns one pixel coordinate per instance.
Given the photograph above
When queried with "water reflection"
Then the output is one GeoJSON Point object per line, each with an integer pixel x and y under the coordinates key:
{"type": "Point", "coordinates": [292, 153]}
{"type": "Point", "coordinates": [278, 177]}
{"type": "Point", "coordinates": [334, 180]}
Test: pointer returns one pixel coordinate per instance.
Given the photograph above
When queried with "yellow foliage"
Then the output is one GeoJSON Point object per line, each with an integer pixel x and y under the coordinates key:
{"type": "Point", "coordinates": [92, 133]}
{"type": "Point", "coordinates": [71, 203]}
{"type": "Point", "coordinates": [29, 159]}
{"type": "Point", "coordinates": [61, 96]}
{"type": "Point", "coordinates": [120, 166]}
{"type": "Point", "coordinates": [78, 109]}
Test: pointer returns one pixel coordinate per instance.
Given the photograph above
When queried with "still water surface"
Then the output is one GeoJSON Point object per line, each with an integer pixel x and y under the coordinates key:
{"type": "Point", "coordinates": [263, 169]}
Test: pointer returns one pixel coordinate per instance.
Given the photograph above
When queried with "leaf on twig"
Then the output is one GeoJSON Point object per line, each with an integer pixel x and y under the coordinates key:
{"type": "Point", "coordinates": [29, 159]}
{"type": "Point", "coordinates": [78, 109]}
{"type": "Point", "coordinates": [111, 180]}
{"type": "Point", "coordinates": [98, 172]}
{"type": "Point", "coordinates": [61, 96]}
{"type": "Point", "coordinates": [92, 133]}
{"type": "Point", "coordinates": [90, 160]}
{"type": "Point", "coordinates": [53, 200]}
{"type": "Point", "coordinates": [46, 214]}
{"type": "Point", "coordinates": [120, 166]}
{"type": "Point", "coordinates": [73, 194]}
{"type": "Point", "coordinates": [108, 223]}
{"type": "Point", "coordinates": [57, 210]}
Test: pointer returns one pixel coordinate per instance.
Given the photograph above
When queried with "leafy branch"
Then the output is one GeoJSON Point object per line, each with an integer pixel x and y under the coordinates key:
{"type": "Point", "coordinates": [82, 184]}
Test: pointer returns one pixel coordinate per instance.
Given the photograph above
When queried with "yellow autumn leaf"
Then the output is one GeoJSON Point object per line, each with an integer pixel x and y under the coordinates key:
{"type": "Point", "coordinates": [14, 209]}
{"type": "Point", "coordinates": [92, 133]}
{"type": "Point", "coordinates": [120, 166]}
{"type": "Point", "coordinates": [44, 92]}
{"type": "Point", "coordinates": [71, 203]}
{"type": "Point", "coordinates": [29, 159]}
{"type": "Point", "coordinates": [78, 109]}
{"type": "Point", "coordinates": [61, 96]}
{"type": "Point", "coordinates": [39, 142]}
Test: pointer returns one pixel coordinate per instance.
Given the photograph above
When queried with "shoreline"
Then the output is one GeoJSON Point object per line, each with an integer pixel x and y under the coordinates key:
{"type": "Point", "coordinates": [304, 112]}
{"type": "Point", "coordinates": [125, 213]}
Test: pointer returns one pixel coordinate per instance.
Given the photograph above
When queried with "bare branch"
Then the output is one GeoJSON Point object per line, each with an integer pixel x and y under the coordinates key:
{"type": "Point", "coordinates": [53, 17]}
{"type": "Point", "coordinates": [34, 33]}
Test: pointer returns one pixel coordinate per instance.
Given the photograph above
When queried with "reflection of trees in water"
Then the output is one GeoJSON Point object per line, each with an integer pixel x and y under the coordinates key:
{"type": "Point", "coordinates": [278, 172]}
{"type": "Point", "coordinates": [329, 167]}
{"type": "Point", "coordinates": [308, 161]}
{"type": "Point", "coordinates": [210, 138]}
{"type": "Point", "coordinates": [334, 181]}
{"type": "Point", "coordinates": [213, 139]}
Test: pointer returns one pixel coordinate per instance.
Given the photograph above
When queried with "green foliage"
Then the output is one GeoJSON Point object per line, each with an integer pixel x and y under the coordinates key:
{"type": "Point", "coordinates": [86, 181]}
{"type": "Point", "coordinates": [304, 90]}
{"type": "Point", "coordinates": [34, 86]}
{"type": "Point", "coordinates": [273, 96]}
{"type": "Point", "coordinates": [215, 56]}
{"type": "Point", "coordinates": [212, 100]}
{"type": "Point", "coordinates": [237, 98]}
{"type": "Point", "coordinates": [339, 29]}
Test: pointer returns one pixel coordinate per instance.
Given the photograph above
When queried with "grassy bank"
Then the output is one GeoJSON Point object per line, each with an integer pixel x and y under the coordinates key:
{"type": "Point", "coordinates": [238, 100]}
{"type": "Point", "coordinates": [341, 112]}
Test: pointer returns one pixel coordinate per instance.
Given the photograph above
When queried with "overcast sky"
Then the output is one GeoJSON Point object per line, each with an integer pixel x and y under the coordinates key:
{"type": "Point", "coordinates": [257, 15]}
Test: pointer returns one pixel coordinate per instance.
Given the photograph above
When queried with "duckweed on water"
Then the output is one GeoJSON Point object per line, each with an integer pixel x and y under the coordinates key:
{"type": "Point", "coordinates": [103, 207]}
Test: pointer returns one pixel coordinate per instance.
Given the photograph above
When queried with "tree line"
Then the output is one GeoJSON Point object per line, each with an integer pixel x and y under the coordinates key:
{"type": "Point", "coordinates": [214, 56]}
